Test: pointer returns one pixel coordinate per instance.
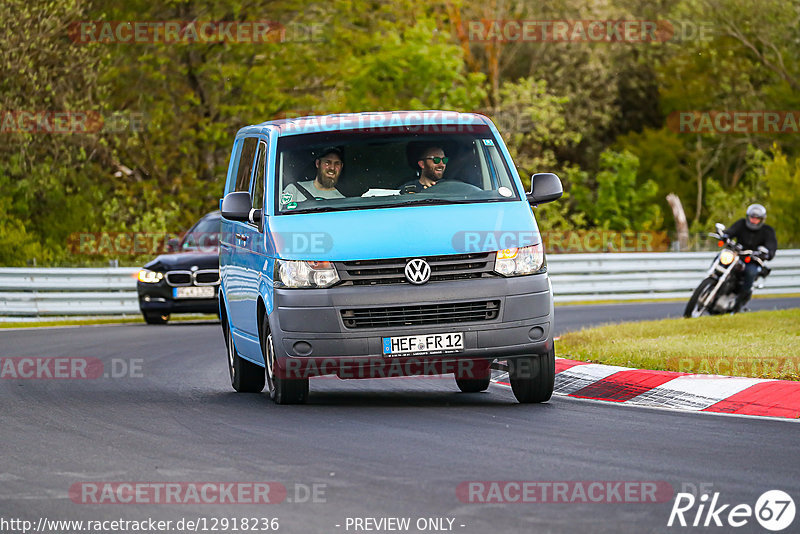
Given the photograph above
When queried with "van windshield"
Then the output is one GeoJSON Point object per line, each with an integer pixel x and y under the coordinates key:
{"type": "Point", "coordinates": [343, 170]}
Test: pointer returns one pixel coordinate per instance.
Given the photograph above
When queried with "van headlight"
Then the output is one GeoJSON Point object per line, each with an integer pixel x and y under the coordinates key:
{"type": "Point", "coordinates": [150, 277]}
{"type": "Point", "coordinates": [519, 261]}
{"type": "Point", "coordinates": [310, 274]}
{"type": "Point", "coordinates": [726, 257]}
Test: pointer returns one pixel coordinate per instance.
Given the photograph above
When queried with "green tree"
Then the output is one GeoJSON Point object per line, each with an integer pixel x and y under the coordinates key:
{"type": "Point", "coordinates": [50, 182]}
{"type": "Point", "coordinates": [618, 200]}
{"type": "Point", "coordinates": [533, 124]}
{"type": "Point", "coordinates": [782, 178]}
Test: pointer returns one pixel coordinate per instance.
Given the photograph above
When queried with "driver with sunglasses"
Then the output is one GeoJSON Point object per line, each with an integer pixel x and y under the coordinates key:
{"type": "Point", "coordinates": [432, 163]}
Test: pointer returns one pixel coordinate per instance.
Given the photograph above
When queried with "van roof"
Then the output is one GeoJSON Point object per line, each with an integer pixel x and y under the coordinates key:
{"type": "Point", "coordinates": [368, 121]}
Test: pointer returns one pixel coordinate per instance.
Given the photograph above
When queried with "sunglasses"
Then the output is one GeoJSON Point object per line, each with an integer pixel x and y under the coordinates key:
{"type": "Point", "coordinates": [437, 160]}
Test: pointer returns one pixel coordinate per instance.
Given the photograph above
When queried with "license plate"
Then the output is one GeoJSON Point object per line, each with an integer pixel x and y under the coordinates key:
{"type": "Point", "coordinates": [423, 344]}
{"type": "Point", "coordinates": [194, 292]}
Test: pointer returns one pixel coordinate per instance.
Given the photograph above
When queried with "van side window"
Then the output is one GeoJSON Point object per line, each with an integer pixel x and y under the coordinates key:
{"type": "Point", "coordinates": [258, 178]}
{"type": "Point", "coordinates": [246, 164]}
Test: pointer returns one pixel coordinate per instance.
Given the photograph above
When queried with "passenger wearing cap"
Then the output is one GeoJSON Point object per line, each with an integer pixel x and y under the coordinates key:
{"type": "Point", "coordinates": [329, 166]}
{"type": "Point", "coordinates": [753, 234]}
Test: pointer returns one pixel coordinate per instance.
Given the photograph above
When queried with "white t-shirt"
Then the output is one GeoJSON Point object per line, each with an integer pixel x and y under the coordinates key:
{"type": "Point", "coordinates": [292, 194]}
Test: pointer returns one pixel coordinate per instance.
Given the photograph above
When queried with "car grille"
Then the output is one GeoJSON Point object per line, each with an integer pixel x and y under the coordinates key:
{"type": "Point", "coordinates": [391, 271]}
{"type": "Point", "coordinates": [457, 312]}
{"type": "Point", "coordinates": [205, 277]}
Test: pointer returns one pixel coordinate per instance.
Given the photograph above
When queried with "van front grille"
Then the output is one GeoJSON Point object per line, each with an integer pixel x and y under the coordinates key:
{"type": "Point", "coordinates": [428, 314]}
{"type": "Point", "coordinates": [392, 271]}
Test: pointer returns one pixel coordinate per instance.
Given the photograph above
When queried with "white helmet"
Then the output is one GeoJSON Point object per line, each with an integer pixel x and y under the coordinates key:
{"type": "Point", "coordinates": [756, 211]}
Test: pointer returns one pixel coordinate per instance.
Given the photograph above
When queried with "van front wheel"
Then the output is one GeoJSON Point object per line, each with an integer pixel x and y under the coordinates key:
{"type": "Point", "coordinates": [533, 377]}
{"type": "Point", "coordinates": [282, 389]}
{"type": "Point", "coordinates": [246, 377]}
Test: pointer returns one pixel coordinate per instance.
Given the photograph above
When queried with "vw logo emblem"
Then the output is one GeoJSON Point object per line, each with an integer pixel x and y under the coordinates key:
{"type": "Point", "coordinates": [418, 271]}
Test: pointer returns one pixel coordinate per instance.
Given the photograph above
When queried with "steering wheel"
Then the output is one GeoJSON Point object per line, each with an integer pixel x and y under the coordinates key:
{"type": "Point", "coordinates": [453, 187]}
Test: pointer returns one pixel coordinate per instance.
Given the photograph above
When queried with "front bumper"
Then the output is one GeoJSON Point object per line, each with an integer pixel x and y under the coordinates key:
{"type": "Point", "coordinates": [309, 332]}
{"type": "Point", "coordinates": [160, 298]}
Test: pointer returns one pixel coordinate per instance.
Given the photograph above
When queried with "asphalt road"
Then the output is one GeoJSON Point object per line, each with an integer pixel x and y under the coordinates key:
{"type": "Point", "coordinates": [370, 449]}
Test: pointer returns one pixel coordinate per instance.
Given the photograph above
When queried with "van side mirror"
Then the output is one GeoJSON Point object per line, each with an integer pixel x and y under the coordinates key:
{"type": "Point", "coordinates": [545, 187]}
{"type": "Point", "coordinates": [237, 206]}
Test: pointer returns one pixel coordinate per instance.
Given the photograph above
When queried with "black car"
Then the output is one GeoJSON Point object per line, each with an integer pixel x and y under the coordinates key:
{"type": "Point", "coordinates": [187, 279]}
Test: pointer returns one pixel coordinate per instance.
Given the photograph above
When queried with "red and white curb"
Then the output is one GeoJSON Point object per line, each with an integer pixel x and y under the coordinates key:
{"type": "Point", "coordinates": [679, 391]}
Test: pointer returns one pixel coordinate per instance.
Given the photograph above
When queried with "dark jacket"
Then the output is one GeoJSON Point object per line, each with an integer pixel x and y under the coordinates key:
{"type": "Point", "coordinates": [752, 239]}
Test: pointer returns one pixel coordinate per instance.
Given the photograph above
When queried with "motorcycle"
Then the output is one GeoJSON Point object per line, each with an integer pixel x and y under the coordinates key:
{"type": "Point", "coordinates": [717, 293]}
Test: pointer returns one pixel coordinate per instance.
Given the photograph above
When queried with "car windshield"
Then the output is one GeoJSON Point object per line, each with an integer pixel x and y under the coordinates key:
{"type": "Point", "coordinates": [343, 170]}
{"type": "Point", "coordinates": [203, 236]}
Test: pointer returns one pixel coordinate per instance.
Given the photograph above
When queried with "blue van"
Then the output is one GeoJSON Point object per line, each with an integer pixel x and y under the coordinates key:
{"type": "Point", "coordinates": [371, 245]}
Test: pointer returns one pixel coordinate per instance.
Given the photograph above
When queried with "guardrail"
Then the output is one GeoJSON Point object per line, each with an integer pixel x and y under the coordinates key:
{"type": "Point", "coordinates": [37, 292]}
{"type": "Point", "coordinates": [40, 292]}
{"type": "Point", "coordinates": [656, 275]}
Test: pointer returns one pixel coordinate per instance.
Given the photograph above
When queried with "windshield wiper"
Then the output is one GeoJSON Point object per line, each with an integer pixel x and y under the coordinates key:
{"type": "Point", "coordinates": [320, 209]}
{"type": "Point", "coordinates": [437, 201]}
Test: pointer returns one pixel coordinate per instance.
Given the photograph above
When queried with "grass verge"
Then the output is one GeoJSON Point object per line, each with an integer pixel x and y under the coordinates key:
{"type": "Point", "coordinates": [759, 344]}
{"type": "Point", "coordinates": [101, 320]}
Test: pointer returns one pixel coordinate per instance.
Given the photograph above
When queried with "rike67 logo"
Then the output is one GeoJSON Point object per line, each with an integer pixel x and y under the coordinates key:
{"type": "Point", "coordinates": [774, 510]}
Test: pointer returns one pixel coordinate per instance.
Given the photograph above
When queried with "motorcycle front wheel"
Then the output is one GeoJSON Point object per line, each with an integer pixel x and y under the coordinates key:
{"type": "Point", "coordinates": [695, 307]}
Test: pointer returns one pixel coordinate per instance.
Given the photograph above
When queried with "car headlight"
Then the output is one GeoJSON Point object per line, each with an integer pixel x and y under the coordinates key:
{"type": "Point", "coordinates": [309, 274]}
{"type": "Point", "coordinates": [726, 257]}
{"type": "Point", "coordinates": [519, 261]}
{"type": "Point", "coordinates": [150, 277]}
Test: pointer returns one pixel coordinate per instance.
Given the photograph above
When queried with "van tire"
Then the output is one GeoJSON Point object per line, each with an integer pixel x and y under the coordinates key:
{"type": "Point", "coordinates": [478, 378]}
{"type": "Point", "coordinates": [473, 385]}
{"type": "Point", "coordinates": [533, 377]}
{"type": "Point", "coordinates": [246, 376]}
{"type": "Point", "coordinates": [282, 390]}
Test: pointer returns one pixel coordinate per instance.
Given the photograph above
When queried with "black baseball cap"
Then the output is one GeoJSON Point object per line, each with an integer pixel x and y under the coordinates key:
{"type": "Point", "coordinates": [331, 150]}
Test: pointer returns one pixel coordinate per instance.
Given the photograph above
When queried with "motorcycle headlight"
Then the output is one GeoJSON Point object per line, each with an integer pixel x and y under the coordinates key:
{"type": "Point", "coordinates": [519, 261]}
{"type": "Point", "coordinates": [726, 257]}
{"type": "Point", "coordinates": [150, 277]}
{"type": "Point", "coordinates": [304, 274]}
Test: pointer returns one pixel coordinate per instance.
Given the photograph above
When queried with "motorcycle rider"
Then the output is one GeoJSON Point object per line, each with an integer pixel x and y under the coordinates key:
{"type": "Point", "coordinates": [752, 234]}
